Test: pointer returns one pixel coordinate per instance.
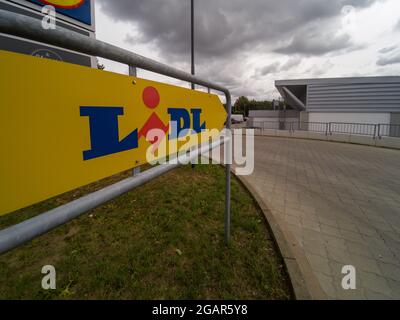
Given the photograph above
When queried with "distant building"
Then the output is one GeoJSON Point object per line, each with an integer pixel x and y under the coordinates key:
{"type": "Point", "coordinates": [272, 119]}
{"type": "Point", "coordinates": [373, 100]}
{"type": "Point", "coordinates": [237, 118]}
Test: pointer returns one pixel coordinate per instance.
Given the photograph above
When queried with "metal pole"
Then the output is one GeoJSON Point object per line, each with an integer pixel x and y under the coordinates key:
{"type": "Point", "coordinates": [192, 38]}
{"type": "Point", "coordinates": [228, 173]}
{"type": "Point", "coordinates": [31, 28]}
{"type": "Point", "coordinates": [192, 45]}
{"type": "Point", "coordinates": [133, 73]}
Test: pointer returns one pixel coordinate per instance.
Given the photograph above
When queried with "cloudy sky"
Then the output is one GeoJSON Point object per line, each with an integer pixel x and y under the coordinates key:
{"type": "Point", "coordinates": [248, 44]}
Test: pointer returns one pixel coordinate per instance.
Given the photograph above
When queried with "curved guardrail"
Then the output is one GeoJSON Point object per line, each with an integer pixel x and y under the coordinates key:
{"type": "Point", "coordinates": [30, 28]}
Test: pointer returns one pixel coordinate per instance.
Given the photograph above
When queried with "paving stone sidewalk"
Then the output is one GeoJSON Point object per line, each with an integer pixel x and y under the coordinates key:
{"type": "Point", "coordinates": [341, 202]}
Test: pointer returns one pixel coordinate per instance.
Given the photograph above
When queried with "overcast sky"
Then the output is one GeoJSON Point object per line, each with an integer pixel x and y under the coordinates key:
{"type": "Point", "coordinates": [248, 44]}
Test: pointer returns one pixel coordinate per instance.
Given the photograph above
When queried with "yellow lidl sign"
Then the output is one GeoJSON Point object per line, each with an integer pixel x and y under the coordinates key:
{"type": "Point", "coordinates": [63, 126]}
{"type": "Point", "coordinates": [65, 4]}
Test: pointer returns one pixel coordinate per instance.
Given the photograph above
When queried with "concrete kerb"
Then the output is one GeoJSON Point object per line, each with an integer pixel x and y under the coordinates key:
{"type": "Point", "coordinates": [304, 283]}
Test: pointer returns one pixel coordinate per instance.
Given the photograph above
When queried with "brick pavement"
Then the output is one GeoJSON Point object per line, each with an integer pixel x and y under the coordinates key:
{"type": "Point", "coordinates": [341, 203]}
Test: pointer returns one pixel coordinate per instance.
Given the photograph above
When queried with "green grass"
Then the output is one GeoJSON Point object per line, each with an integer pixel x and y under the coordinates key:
{"type": "Point", "coordinates": [164, 240]}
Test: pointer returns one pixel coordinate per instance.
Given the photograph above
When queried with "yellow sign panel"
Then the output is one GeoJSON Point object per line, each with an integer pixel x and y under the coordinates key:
{"type": "Point", "coordinates": [63, 126]}
{"type": "Point", "coordinates": [67, 4]}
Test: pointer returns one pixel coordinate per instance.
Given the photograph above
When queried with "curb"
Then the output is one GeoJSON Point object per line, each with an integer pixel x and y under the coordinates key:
{"type": "Point", "coordinates": [304, 283]}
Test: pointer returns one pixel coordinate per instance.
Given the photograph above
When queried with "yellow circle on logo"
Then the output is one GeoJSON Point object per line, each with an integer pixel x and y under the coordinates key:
{"type": "Point", "coordinates": [64, 4]}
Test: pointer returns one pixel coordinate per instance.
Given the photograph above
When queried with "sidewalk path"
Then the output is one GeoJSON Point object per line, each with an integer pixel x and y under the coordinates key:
{"type": "Point", "coordinates": [341, 204]}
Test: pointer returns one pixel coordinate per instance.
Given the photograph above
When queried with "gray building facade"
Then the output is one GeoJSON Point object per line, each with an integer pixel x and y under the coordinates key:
{"type": "Point", "coordinates": [374, 100]}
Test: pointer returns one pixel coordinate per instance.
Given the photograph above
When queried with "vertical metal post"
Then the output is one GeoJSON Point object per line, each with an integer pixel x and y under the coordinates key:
{"type": "Point", "coordinates": [192, 45]}
{"type": "Point", "coordinates": [192, 37]}
{"type": "Point", "coordinates": [228, 172]}
{"type": "Point", "coordinates": [133, 73]}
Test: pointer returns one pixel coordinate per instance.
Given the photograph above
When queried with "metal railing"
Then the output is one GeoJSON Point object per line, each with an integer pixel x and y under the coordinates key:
{"type": "Point", "coordinates": [377, 131]}
{"type": "Point", "coordinates": [30, 28]}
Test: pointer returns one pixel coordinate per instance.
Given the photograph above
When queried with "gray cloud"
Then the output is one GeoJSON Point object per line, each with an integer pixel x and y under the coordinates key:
{"type": "Point", "coordinates": [388, 60]}
{"type": "Point", "coordinates": [388, 49]}
{"type": "Point", "coordinates": [397, 26]}
{"type": "Point", "coordinates": [277, 67]}
{"type": "Point", "coordinates": [314, 43]}
{"type": "Point", "coordinates": [271, 68]}
{"type": "Point", "coordinates": [224, 27]}
{"type": "Point", "coordinates": [291, 63]}
{"type": "Point", "coordinates": [229, 30]}
{"type": "Point", "coordinates": [318, 70]}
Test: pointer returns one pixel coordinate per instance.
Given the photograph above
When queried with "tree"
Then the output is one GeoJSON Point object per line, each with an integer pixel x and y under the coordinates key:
{"type": "Point", "coordinates": [241, 106]}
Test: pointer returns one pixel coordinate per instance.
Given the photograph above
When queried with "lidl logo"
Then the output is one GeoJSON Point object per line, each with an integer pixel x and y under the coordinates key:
{"type": "Point", "coordinates": [64, 4]}
{"type": "Point", "coordinates": [104, 127]}
{"type": "Point", "coordinates": [79, 10]}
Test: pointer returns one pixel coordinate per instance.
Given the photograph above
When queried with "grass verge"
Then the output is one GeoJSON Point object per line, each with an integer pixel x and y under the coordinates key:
{"type": "Point", "coordinates": [164, 240]}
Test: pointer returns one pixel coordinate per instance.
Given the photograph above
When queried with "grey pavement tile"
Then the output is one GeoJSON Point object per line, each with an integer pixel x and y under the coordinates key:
{"type": "Point", "coordinates": [385, 256]}
{"type": "Point", "coordinates": [329, 221]}
{"type": "Point", "coordinates": [336, 268]}
{"type": "Point", "coordinates": [320, 193]}
{"type": "Point", "coordinates": [391, 236]}
{"type": "Point", "coordinates": [348, 226]}
{"type": "Point", "coordinates": [291, 211]}
{"type": "Point", "coordinates": [352, 236]}
{"type": "Point", "coordinates": [319, 263]}
{"type": "Point", "coordinates": [339, 255]}
{"type": "Point", "coordinates": [365, 264]}
{"type": "Point", "coordinates": [329, 230]}
{"type": "Point", "coordinates": [395, 287]}
{"type": "Point", "coordinates": [390, 271]}
{"type": "Point", "coordinates": [373, 282]}
{"type": "Point", "coordinates": [332, 241]}
{"type": "Point", "coordinates": [315, 247]}
{"type": "Point", "coordinates": [384, 227]}
{"type": "Point", "coordinates": [349, 294]}
{"type": "Point", "coordinates": [367, 231]}
{"type": "Point", "coordinates": [311, 224]}
{"type": "Point", "coordinates": [372, 295]}
{"type": "Point", "coordinates": [361, 248]}
{"type": "Point", "coordinates": [327, 285]}
{"type": "Point", "coordinates": [293, 220]}
{"type": "Point", "coordinates": [313, 235]}
{"type": "Point", "coordinates": [376, 242]}
{"type": "Point", "coordinates": [307, 209]}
